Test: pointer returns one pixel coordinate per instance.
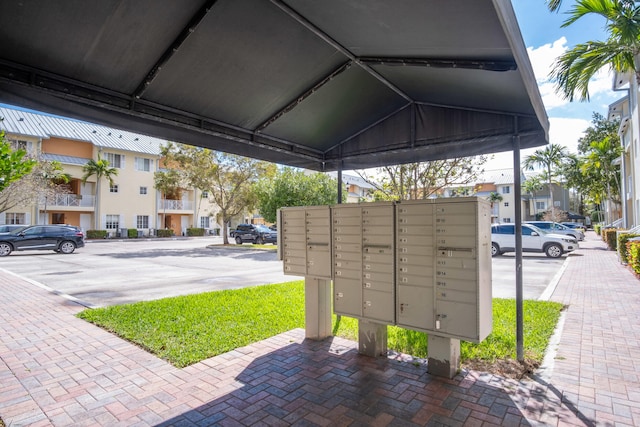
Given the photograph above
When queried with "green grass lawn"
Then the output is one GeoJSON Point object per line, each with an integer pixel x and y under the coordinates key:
{"type": "Point", "coordinates": [185, 330]}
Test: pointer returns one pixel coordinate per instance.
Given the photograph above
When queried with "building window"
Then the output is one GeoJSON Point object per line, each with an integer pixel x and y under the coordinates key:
{"type": "Point", "coordinates": [15, 218]}
{"type": "Point", "coordinates": [204, 222]}
{"type": "Point", "coordinates": [205, 194]}
{"type": "Point", "coordinates": [113, 222]}
{"type": "Point", "coordinates": [18, 144]}
{"type": "Point", "coordinates": [57, 218]}
{"type": "Point", "coordinates": [143, 164]}
{"type": "Point", "coordinates": [506, 189]}
{"type": "Point", "coordinates": [506, 219]}
{"type": "Point", "coordinates": [506, 204]}
{"type": "Point", "coordinates": [113, 188]}
{"type": "Point", "coordinates": [541, 206]}
{"type": "Point", "coordinates": [115, 160]}
{"type": "Point", "coordinates": [142, 221]}
{"type": "Point", "coordinates": [143, 190]}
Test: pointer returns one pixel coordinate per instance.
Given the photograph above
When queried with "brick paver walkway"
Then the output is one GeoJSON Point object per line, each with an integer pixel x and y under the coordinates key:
{"type": "Point", "coordinates": [58, 370]}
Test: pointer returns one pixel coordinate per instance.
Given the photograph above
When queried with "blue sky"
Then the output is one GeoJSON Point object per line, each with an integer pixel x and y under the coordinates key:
{"type": "Point", "coordinates": [546, 40]}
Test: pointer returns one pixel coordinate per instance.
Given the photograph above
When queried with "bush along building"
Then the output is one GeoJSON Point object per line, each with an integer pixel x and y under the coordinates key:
{"type": "Point", "coordinates": [129, 206]}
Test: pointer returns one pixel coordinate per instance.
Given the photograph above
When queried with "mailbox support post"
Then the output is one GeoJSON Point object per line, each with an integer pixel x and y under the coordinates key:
{"type": "Point", "coordinates": [372, 338]}
{"type": "Point", "coordinates": [444, 356]}
{"type": "Point", "coordinates": [317, 301]}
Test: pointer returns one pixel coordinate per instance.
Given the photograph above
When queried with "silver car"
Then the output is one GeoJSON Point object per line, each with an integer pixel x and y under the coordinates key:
{"type": "Point", "coordinates": [555, 228]}
{"type": "Point", "coordinates": [533, 240]}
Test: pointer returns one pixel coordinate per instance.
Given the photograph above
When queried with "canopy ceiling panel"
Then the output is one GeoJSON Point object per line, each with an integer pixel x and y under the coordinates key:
{"type": "Point", "coordinates": [318, 84]}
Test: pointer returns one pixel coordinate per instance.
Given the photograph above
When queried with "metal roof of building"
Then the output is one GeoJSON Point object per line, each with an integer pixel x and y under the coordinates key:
{"type": "Point", "coordinates": [20, 122]}
{"type": "Point", "coordinates": [67, 160]}
{"type": "Point", "coordinates": [324, 85]}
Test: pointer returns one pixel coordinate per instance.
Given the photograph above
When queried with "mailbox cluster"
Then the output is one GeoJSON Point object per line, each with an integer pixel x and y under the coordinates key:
{"type": "Point", "coordinates": [422, 265]}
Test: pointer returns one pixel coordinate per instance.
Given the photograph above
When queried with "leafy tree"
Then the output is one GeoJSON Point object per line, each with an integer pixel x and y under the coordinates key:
{"type": "Point", "coordinates": [599, 163]}
{"type": "Point", "coordinates": [422, 180]}
{"type": "Point", "coordinates": [195, 166]}
{"type": "Point", "coordinates": [574, 179]}
{"type": "Point", "coordinates": [51, 180]}
{"type": "Point", "coordinates": [550, 159]}
{"type": "Point", "coordinates": [228, 177]}
{"type": "Point", "coordinates": [14, 164]}
{"type": "Point", "coordinates": [101, 169]}
{"type": "Point", "coordinates": [43, 182]}
{"type": "Point", "coordinates": [573, 70]}
{"type": "Point", "coordinates": [290, 187]}
{"type": "Point", "coordinates": [600, 128]}
{"type": "Point", "coordinates": [598, 148]}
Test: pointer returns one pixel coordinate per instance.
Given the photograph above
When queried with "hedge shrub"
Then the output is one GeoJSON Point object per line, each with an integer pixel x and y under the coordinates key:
{"type": "Point", "coordinates": [96, 234]}
{"type": "Point", "coordinates": [195, 231]}
{"type": "Point", "coordinates": [633, 250]}
{"type": "Point", "coordinates": [610, 235]}
{"type": "Point", "coordinates": [622, 245]}
{"type": "Point", "coordinates": [598, 229]}
{"type": "Point", "coordinates": [164, 232]}
{"type": "Point", "coordinates": [132, 233]}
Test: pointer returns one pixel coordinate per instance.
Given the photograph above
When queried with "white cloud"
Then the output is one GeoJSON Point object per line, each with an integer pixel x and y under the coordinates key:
{"type": "Point", "coordinates": [566, 132]}
{"type": "Point", "coordinates": [542, 59]}
{"type": "Point", "coordinates": [562, 131]}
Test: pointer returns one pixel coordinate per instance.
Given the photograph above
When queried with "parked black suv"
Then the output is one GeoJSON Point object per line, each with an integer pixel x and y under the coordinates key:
{"type": "Point", "coordinates": [257, 234]}
{"type": "Point", "coordinates": [58, 238]}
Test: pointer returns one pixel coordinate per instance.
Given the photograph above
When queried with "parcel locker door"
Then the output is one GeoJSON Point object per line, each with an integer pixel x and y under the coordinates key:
{"type": "Point", "coordinates": [415, 307]}
{"type": "Point", "coordinates": [347, 297]}
{"type": "Point", "coordinates": [378, 305]}
{"type": "Point", "coordinates": [457, 319]}
{"type": "Point", "coordinates": [319, 261]}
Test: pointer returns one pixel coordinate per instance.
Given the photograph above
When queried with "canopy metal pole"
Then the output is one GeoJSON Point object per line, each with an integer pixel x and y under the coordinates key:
{"type": "Point", "coordinates": [339, 185]}
{"type": "Point", "coordinates": [517, 194]}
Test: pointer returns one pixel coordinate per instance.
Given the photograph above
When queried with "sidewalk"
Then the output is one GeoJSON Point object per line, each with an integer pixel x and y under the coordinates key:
{"type": "Point", "coordinates": [58, 370]}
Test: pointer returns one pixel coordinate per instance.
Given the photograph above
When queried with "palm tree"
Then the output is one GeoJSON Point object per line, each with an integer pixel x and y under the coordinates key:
{"type": "Point", "coordinates": [531, 186]}
{"type": "Point", "coordinates": [551, 157]}
{"type": "Point", "coordinates": [600, 158]}
{"type": "Point", "coordinates": [494, 198]}
{"type": "Point", "coordinates": [554, 5]}
{"type": "Point", "coordinates": [573, 70]}
{"type": "Point", "coordinates": [100, 168]}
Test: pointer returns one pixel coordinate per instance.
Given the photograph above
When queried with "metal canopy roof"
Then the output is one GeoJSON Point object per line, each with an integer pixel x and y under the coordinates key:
{"type": "Point", "coordinates": [325, 85]}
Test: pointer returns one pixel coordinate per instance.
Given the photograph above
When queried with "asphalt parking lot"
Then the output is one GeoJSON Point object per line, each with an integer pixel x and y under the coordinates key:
{"type": "Point", "coordinates": [118, 272]}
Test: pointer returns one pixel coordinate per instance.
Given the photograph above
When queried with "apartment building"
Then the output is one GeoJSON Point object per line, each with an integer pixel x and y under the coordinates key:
{"type": "Point", "coordinates": [498, 181]}
{"type": "Point", "coordinates": [131, 202]}
{"type": "Point", "coordinates": [626, 110]}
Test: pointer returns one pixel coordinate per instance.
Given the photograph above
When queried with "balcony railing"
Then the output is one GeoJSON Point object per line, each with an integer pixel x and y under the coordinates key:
{"type": "Point", "coordinates": [69, 200]}
{"type": "Point", "coordinates": [176, 205]}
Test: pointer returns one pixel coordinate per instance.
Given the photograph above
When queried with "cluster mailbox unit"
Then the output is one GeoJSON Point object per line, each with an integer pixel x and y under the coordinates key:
{"type": "Point", "coordinates": [423, 264]}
